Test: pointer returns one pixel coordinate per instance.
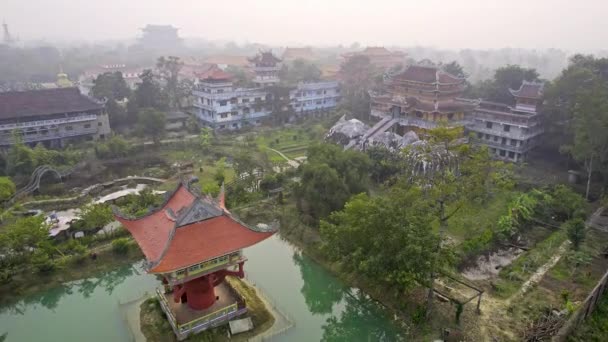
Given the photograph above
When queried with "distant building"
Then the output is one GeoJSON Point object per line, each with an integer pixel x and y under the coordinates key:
{"type": "Point", "coordinates": [160, 37]}
{"type": "Point", "coordinates": [176, 120]}
{"type": "Point", "coordinates": [219, 105]}
{"type": "Point", "coordinates": [312, 97]}
{"type": "Point", "coordinates": [379, 56]}
{"type": "Point", "coordinates": [266, 67]}
{"type": "Point", "coordinates": [291, 54]}
{"type": "Point", "coordinates": [224, 61]}
{"type": "Point", "coordinates": [510, 132]}
{"type": "Point", "coordinates": [53, 117]}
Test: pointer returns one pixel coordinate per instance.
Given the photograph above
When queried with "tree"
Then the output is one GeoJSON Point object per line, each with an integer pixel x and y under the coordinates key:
{"type": "Point", "coordinates": [321, 191]}
{"type": "Point", "coordinates": [20, 158]}
{"type": "Point", "coordinates": [454, 68]}
{"type": "Point", "coordinates": [151, 123]}
{"type": "Point", "coordinates": [111, 86]}
{"type": "Point", "coordinates": [220, 169]}
{"type": "Point", "coordinates": [505, 78]}
{"type": "Point", "coordinates": [94, 217]}
{"type": "Point", "coordinates": [388, 239]}
{"type": "Point", "coordinates": [240, 77]}
{"type": "Point", "coordinates": [566, 204]}
{"type": "Point", "coordinates": [205, 137]}
{"type": "Point", "coordinates": [590, 145]}
{"type": "Point", "coordinates": [357, 75]}
{"type": "Point", "coordinates": [575, 229]}
{"type": "Point", "coordinates": [149, 93]}
{"type": "Point", "coordinates": [7, 188]}
{"type": "Point", "coordinates": [300, 71]}
{"type": "Point", "coordinates": [168, 69]}
{"type": "Point", "coordinates": [26, 234]}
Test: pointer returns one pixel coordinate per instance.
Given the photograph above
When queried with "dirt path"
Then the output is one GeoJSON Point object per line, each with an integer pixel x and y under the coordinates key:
{"type": "Point", "coordinates": [291, 162]}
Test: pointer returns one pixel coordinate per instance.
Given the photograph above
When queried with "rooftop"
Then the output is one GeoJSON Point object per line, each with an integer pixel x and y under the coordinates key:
{"type": "Point", "coordinates": [531, 90]}
{"type": "Point", "coordinates": [214, 73]}
{"type": "Point", "coordinates": [427, 74]}
{"type": "Point", "coordinates": [189, 229]}
{"type": "Point", "coordinates": [32, 103]}
{"type": "Point", "coordinates": [265, 58]}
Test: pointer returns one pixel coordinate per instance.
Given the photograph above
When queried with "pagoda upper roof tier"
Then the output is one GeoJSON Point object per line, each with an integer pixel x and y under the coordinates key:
{"type": "Point", "coordinates": [530, 90]}
{"type": "Point", "coordinates": [188, 229]}
{"type": "Point", "coordinates": [265, 59]}
{"type": "Point", "coordinates": [427, 74]}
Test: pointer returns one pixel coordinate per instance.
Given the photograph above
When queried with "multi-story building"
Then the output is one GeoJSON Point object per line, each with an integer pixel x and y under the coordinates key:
{"type": "Point", "coordinates": [160, 37]}
{"type": "Point", "coordinates": [510, 132]}
{"type": "Point", "coordinates": [419, 98]}
{"type": "Point", "coordinates": [53, 117]}
{"type": "Point", "coordinates": [218, 104]}
{"type": "Point", "coordinates": [312, 97]}
{"type": "Point", "coordinates": [266, 67]}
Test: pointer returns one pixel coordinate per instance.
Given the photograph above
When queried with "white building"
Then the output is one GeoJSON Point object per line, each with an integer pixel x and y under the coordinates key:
{"type": "Point", "coordinates": [510, 132]}
{"type": "Point", "coordinates": [313, 97]}
{"type": "Point", "coordinates": [219, 105]}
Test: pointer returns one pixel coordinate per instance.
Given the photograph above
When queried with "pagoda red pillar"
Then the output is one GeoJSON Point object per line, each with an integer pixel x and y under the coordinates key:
{"type": "Point", "coordinates": [199, 293]}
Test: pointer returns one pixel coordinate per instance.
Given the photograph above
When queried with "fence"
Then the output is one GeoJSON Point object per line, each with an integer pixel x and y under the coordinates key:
{"type": "Point", "coordinates": [583, 312]}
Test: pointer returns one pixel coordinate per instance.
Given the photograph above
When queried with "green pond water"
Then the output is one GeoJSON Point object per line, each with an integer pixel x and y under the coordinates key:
{"type": "Point", "coordinates": [321, 307]}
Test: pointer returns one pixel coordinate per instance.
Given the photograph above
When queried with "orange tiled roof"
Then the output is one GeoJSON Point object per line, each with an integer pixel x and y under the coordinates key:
{"type": "Point", "coordinates": [187, 230]}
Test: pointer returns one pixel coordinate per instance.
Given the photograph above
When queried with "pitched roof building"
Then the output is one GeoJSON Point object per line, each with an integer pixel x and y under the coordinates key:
{"type": "Point", "coordinates": [379, 56]}
{"type": "Point", "coordinates": [52, 116]}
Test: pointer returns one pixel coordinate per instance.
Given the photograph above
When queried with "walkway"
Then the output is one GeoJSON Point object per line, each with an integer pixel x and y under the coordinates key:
{"type": "Point", "coordinates": [291, 162]}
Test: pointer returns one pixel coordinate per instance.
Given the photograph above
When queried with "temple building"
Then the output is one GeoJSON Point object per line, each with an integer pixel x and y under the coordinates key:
{"type": "Point", "coordinates": [315, 97]}
{"type": "Point", "coordinates": [266, 67]}
{"type": "Point", "coordinates": [219, 105]}
{"type": "Point", "coordinates": [379, 57]}
{"type": "Point", "coordinates": [291, 54]}
{"type": "Point", "coordinates": [160, 37]}
{"type": "Point", "coordinates": [54, 117]}
{"type": "Point", "coordinates": [510, 132]}
{"type": "Point", "coordinates": [86, 81]}
{"type": "Point", "coordinates": [193, 243]}
{"type": "Point", "coordinates": [419, 98]}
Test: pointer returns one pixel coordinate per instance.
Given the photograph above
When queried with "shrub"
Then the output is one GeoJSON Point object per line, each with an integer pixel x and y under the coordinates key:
{"type": "Point", "coordinates": [120, 246]}
{"type": "Point", "coordinates": [42, 262]}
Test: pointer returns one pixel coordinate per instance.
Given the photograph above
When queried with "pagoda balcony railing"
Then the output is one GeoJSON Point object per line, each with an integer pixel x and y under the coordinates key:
{"type": "Point", "coordinates": [214, 96]}
{"type": "Point", "coordinates": [511, 135]}
{"type": "Point", "coordinates": [205, 267]}
{"type": "Point", "coordinates": [39, 123]}
{"type": "Point", "coordinates": [265, 68]}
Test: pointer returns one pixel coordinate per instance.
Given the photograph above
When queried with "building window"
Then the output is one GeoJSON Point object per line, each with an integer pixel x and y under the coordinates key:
{"type": "Point", "coordinates": [235, 125]}
{"type": "Point", "coordinates": [504, 141]}
{"type": "Point", "coordinates": [258, 99]}
{"type": "Point", "coordinates": [245, 100]}
{"type": "Point", "coordinates": [223, 103]}
{"type": "Point", "coordinates": [222, 126]}
{"type": "Point", "coordinates": [487, 137]}
{"type": "Point", "coordinates": [506, 128]}
{"type": "Point", "coordinates": [224, 115]}
{"type": "Point", "coordinates": [479, 135]}
{"type": "Point", "coordinates": [100, 124]}
{"type": "Point", "coordinates": [489, 125]}
{"type": "Point", "coordinates": [511, 154]}
{"type": "Point", "coordinates": [220, 91]}
{"type": "Point", "coordinates": [87, 126]}
{"type": "Point", "coordinates": [513, 142]}
{"type": "Point", "coordinates": [69, 128]}
{"type": "Point", "coordinates": [502, 153]}
{"type": "Point", "coordinates": [246, 110]}
{"type": "Point", "coordinates": [234, 100]}
{"type": "Point", "coordinates": [495, 138]}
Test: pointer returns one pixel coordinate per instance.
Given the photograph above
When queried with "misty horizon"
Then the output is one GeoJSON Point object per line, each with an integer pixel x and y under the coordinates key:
{"type": "Point", "coordinates": [471, 24]}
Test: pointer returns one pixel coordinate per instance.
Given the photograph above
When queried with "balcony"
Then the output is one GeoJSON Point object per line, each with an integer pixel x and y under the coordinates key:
{"type": "Point", "coordinates": [502, 133]}
{"type": "Point", "coordinates": [41, 123]}
{"type": "Point", "coordinates": [507, 147]}
{"type": "Point", "coordinates": [52, 134]}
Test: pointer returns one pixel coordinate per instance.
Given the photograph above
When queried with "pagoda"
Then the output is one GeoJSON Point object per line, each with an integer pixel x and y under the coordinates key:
{"type": "Point", "coordinates": [266, 67]}
{"type": "Point", "coordinates": [193, 243]}
{"type": "Point", "coordinates": [419, 98]}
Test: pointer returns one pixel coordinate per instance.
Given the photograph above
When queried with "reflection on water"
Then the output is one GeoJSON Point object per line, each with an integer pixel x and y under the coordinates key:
{"type": "Point", "coordinates": [323, 308]}
{"type": "Point", "coordinates": [83, 310]}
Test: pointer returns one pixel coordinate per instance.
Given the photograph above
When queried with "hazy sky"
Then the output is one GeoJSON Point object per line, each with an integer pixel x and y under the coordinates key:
{"type": "Point", "coordinates": [568, 24]}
